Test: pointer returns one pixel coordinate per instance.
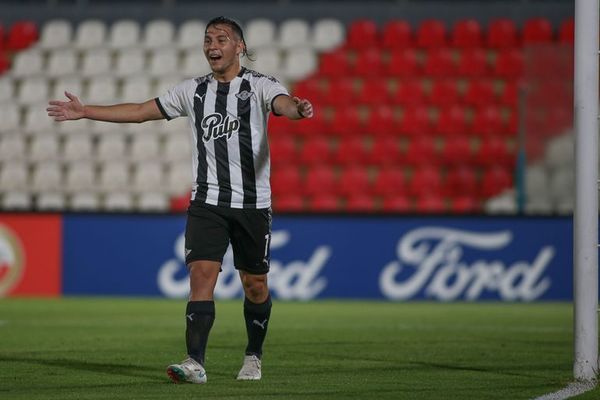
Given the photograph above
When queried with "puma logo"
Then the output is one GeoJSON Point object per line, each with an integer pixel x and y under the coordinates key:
{"type": "Point", "coordinates": [200, 97]}
{"type": "Point", "coordinates": [190, 316]}
{"type": "Point", "coordinates": [261, 324]}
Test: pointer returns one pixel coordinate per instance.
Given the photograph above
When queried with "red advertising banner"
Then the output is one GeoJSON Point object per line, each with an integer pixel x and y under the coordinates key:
{"type": "Point", "coordinates": [30, 254]}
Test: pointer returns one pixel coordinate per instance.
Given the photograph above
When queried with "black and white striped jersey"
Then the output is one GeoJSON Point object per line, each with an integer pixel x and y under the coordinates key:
{"type": "Point", "coordinates": [229, 131]}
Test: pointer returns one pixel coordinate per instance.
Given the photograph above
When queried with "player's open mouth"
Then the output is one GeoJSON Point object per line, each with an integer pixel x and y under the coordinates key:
{"type": "Point", "coordinates": [215, 57]}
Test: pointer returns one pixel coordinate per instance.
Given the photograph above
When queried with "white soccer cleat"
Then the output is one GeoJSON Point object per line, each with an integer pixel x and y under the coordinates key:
{"type": "Point", "coordinates": [189, 370]}
{"type": "Point", "coordinates": [250, 370]}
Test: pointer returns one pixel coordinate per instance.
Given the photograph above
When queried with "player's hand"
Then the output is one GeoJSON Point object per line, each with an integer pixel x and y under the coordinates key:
{"type": "Point", "coordinates": [66, 110]}
{"type": "Point", "coordinates": [305, 109]}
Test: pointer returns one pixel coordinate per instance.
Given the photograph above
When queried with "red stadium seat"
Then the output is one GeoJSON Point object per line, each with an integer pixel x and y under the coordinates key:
{"type": "Point", "coordinates": [288, 203]}
{"type": "Point", "coordinates": [415, 121]}
{"type": "Point", "coordinates": [480, 92]}
{"type": "Point", "coordinates": [320, 180]}
{"type": "Point", "coordinates": [311, 126]}
{"type": "Point", "coordinates": [374, 92]}
{"type": "Point", "coordinates": [397, 34]}
{"type": "Point", "coordinates": [494, 181]}
{"type": "Point", "coordinates": [390, 181]}
{"type": "Point", "coordinates": [180, 203]}
{"type": "Point", "coordinates": [494, 151]}
{"type": "Point", "coordinates": [457, 150]}
{"type": "Point", "coordinates": [310, 89]}
{"type": "Point", "coordinates": [352, 151]}
{"type": "Point", "coordinates": [368, 63]}
{"type": "Point", "coordinates": [461, 181]}
{"type": "Point", "coordinates": [280, 125]}
{"type": "Point", "coordinates": [385, 152]}
{"type": "Point", "coordinates": [380, 122]}
{"type": "Point", "coordinates": [509, 64]}
{"type": "Point", "coordinates": [340, 92]}
{"type": "Point", "coordinates": [283, 150]}
{"type": "Point", "coordinates": [421, 151]}
{"type": "Point", "coordinates": [362, 34]}
{"type": "Point", "coordinates": [502, 33]}
{"type": "Point", "coordinates": [409, 93]}
{"type": "Point", "coordinates": [334, 64]}
{"type": "Point", "coordinates": [360, 203]}
{"type": "Point", "coordinates": [4, 62]}
{"type": "Point", "coordinates": [452, 120]}
{"type": "Point", "coordinates": [21, 35]}
{"type": "Point", "coordinates": [444, 92]}
{"type": "Point", "coordinates": [347, 122]}
{"type": "Point", "coordinates": [397, 203]}
{"type": "Point", "coordinates": [466, 33]}
{"type": "Point", "coordinates": [566, 33]}
{"type": "Point", "coordinates": [473, 63]}
{"type": "Point", "coordinates": [488, 121]}
{"type": "Point", "coordinates": [425, 181]}
{"type": "Point", "coordinates": [440, 62]}
{"type": "Point", "coordinates": [431, 33]}
{"type": "Point", "coordinates": [316, 150]}
{"type": "Point", "coordinates": [536, 31]}
{"type": "Point", "coordinates": [286, 180]}
{"type": "Point", "coordinates": [2, 37]}
{"type": "Point", "coordinates": [509, 94]}
{"type": "Point", "coordinates": [325, 203]}
{"type": "Point", "coordinates": [354, 181]}
{"type": "Point", "coordinates": [430, 204]}
{"type": "Point", "coordinates": [402, 62]}
{"type": "Point", "coordinates": [464, 205]}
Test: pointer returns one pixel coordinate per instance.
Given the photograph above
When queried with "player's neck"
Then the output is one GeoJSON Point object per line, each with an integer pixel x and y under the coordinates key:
{"type": "Point", "coordinates": [229, 74]}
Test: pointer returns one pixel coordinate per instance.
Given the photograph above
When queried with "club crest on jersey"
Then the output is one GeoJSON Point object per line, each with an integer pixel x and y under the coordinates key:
{"type": "Point", "coordinates": [245, 95]}
{"type": "Point", "coordinates": [216, 126]}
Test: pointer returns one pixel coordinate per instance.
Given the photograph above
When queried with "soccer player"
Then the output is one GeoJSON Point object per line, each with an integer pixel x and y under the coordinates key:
{"type": "Point", "coordinates": [231, 195]}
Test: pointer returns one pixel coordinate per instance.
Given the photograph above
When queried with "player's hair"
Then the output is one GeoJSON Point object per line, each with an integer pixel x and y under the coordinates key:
{"type": "Point", "coordinates": [237, 29]}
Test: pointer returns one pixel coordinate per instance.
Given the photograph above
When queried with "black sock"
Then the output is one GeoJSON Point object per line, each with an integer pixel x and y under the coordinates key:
{"type": "Point", "coordinates": [199, 318]}
{"type": "Point", "coordinates": [257, 319]}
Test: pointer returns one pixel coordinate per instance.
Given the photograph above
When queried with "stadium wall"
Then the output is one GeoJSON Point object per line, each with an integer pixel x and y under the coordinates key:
{"type": "Point", "coordinates": [398, 258]}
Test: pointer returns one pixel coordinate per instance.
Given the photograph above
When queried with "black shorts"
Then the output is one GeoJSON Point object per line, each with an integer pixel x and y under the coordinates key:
{"type": "Point", "coordinates": [209, 230]}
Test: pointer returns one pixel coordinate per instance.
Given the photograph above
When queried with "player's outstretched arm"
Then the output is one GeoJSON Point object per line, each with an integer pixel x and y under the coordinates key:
{"type": "Point", "coordinates": [126, 112]}
{"type": "Point", "coordinates": [293, 107]}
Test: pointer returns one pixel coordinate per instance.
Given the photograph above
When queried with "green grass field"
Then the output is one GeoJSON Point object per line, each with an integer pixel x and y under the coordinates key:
{"type": "Point", "coordinates": [82, 348]}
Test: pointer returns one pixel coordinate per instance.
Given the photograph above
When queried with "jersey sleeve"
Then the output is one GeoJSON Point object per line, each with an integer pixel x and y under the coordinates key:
{"type": "Point", "coordinates": [175, 102]}
{"type": "Point", "coordinates": [272, 89]}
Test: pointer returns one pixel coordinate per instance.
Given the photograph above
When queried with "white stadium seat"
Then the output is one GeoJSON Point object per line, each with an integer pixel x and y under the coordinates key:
{"type": "Point", "coordinates": [12, 148]}
{"type": "Point", "coordinates": [299, 63]}
{"type": "Point", "coordinates": [560, 151]}
{"type": "Point", "coordinates": [16, 201]}
{"type": "Point", "coordinates": [44, 148]}
{"type": "Point", "coordinates": [61, 62]}
{"type": "Point", "coordinates": [165, 83]}
{"type": "Point", "coordinates": [562, 184]}
{"type": "Point", "coordinates": [46, 176]}
{"type": "Point", "coordinates": [84, 201]}
{"type": "Point", "coordinates": [95, 62]}
{"type": "Point", "coordinates": [136, 89]}
{"type": "Point", "coordinates": [266, 61]}
{"type": "Point", "coordinates": [114, 176]}
{"type": "Point", "coordinates": [55, 34]}
{"type": "Point", "coordinates": [14, 176]}
{"type": "Point", "coordinates": [123, 34]}
{"type": "Point", "coordinates": [28, 63]}
{"type": "Point", "coordinates": [152, 202]}
{"type": "Point", "coordinates": [71, 84]}
{"type": "Point", "coordinates": [111, 147]}
{"type": "Point", "coordinates": [90, 33]}
{"type": "Point", "coordinates": [536, 182]}
{"type": "Point", "coordinates": [80, 176]}
{"type": "Point", "coordinates": [50, 201]}
{"type": "Point", "coordinates": [101, 90]}
{"type": "Point", "coordinates": [328, 34]}
{"type": "Point", "coordinates": [260, 32]}
{"type": "Point", "coordinates": [294, 33]}
{"type": "Point", "coordinates": [10, 115]}
{"type": "Point", "coordinates": [130, 62]}
{"type": "Point", "coordinates": [118, 201]}
{"type": "Point", "coordinates": [179, 178]}
{"type": "Point", "coordinates": [159, 33]}
{"type": "Point", "coordinates": [34, 90]}
{"type": "Point", "coordinates": [147, 176]}
{"type": "Point", "coordinates": [77, 147]}
{"type": "Point", "coordinates": [194, 64]}
{"type": "Point", "coordinates": [37, 120]}
{"type": "Point", "coordinates": [7, 88]}
{"type": "Point", "coordinates": [81, 127]}
{"type": "Point", "coordinates": [144, 147]}
{"type": "Point", "coordinates": [502, 204]}
{"type": "Point", "coordinates": [177, 147]}
{"type": "Point", "coordinates": [163, 62]}
{"type": "Point", "coordinates": [191, 35]}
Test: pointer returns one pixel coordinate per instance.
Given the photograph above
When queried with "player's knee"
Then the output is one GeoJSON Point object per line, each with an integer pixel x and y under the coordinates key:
{"type": "Point", "coordinates": [255, 288]}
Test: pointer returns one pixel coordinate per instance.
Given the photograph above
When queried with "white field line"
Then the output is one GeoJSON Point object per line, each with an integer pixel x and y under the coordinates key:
{"type": "Point", "coordinates": [572, 389]}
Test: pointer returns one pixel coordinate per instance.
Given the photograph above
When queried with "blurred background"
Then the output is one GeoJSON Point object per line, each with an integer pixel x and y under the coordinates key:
{"type": "Point", "coordinates": [446, 107]}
